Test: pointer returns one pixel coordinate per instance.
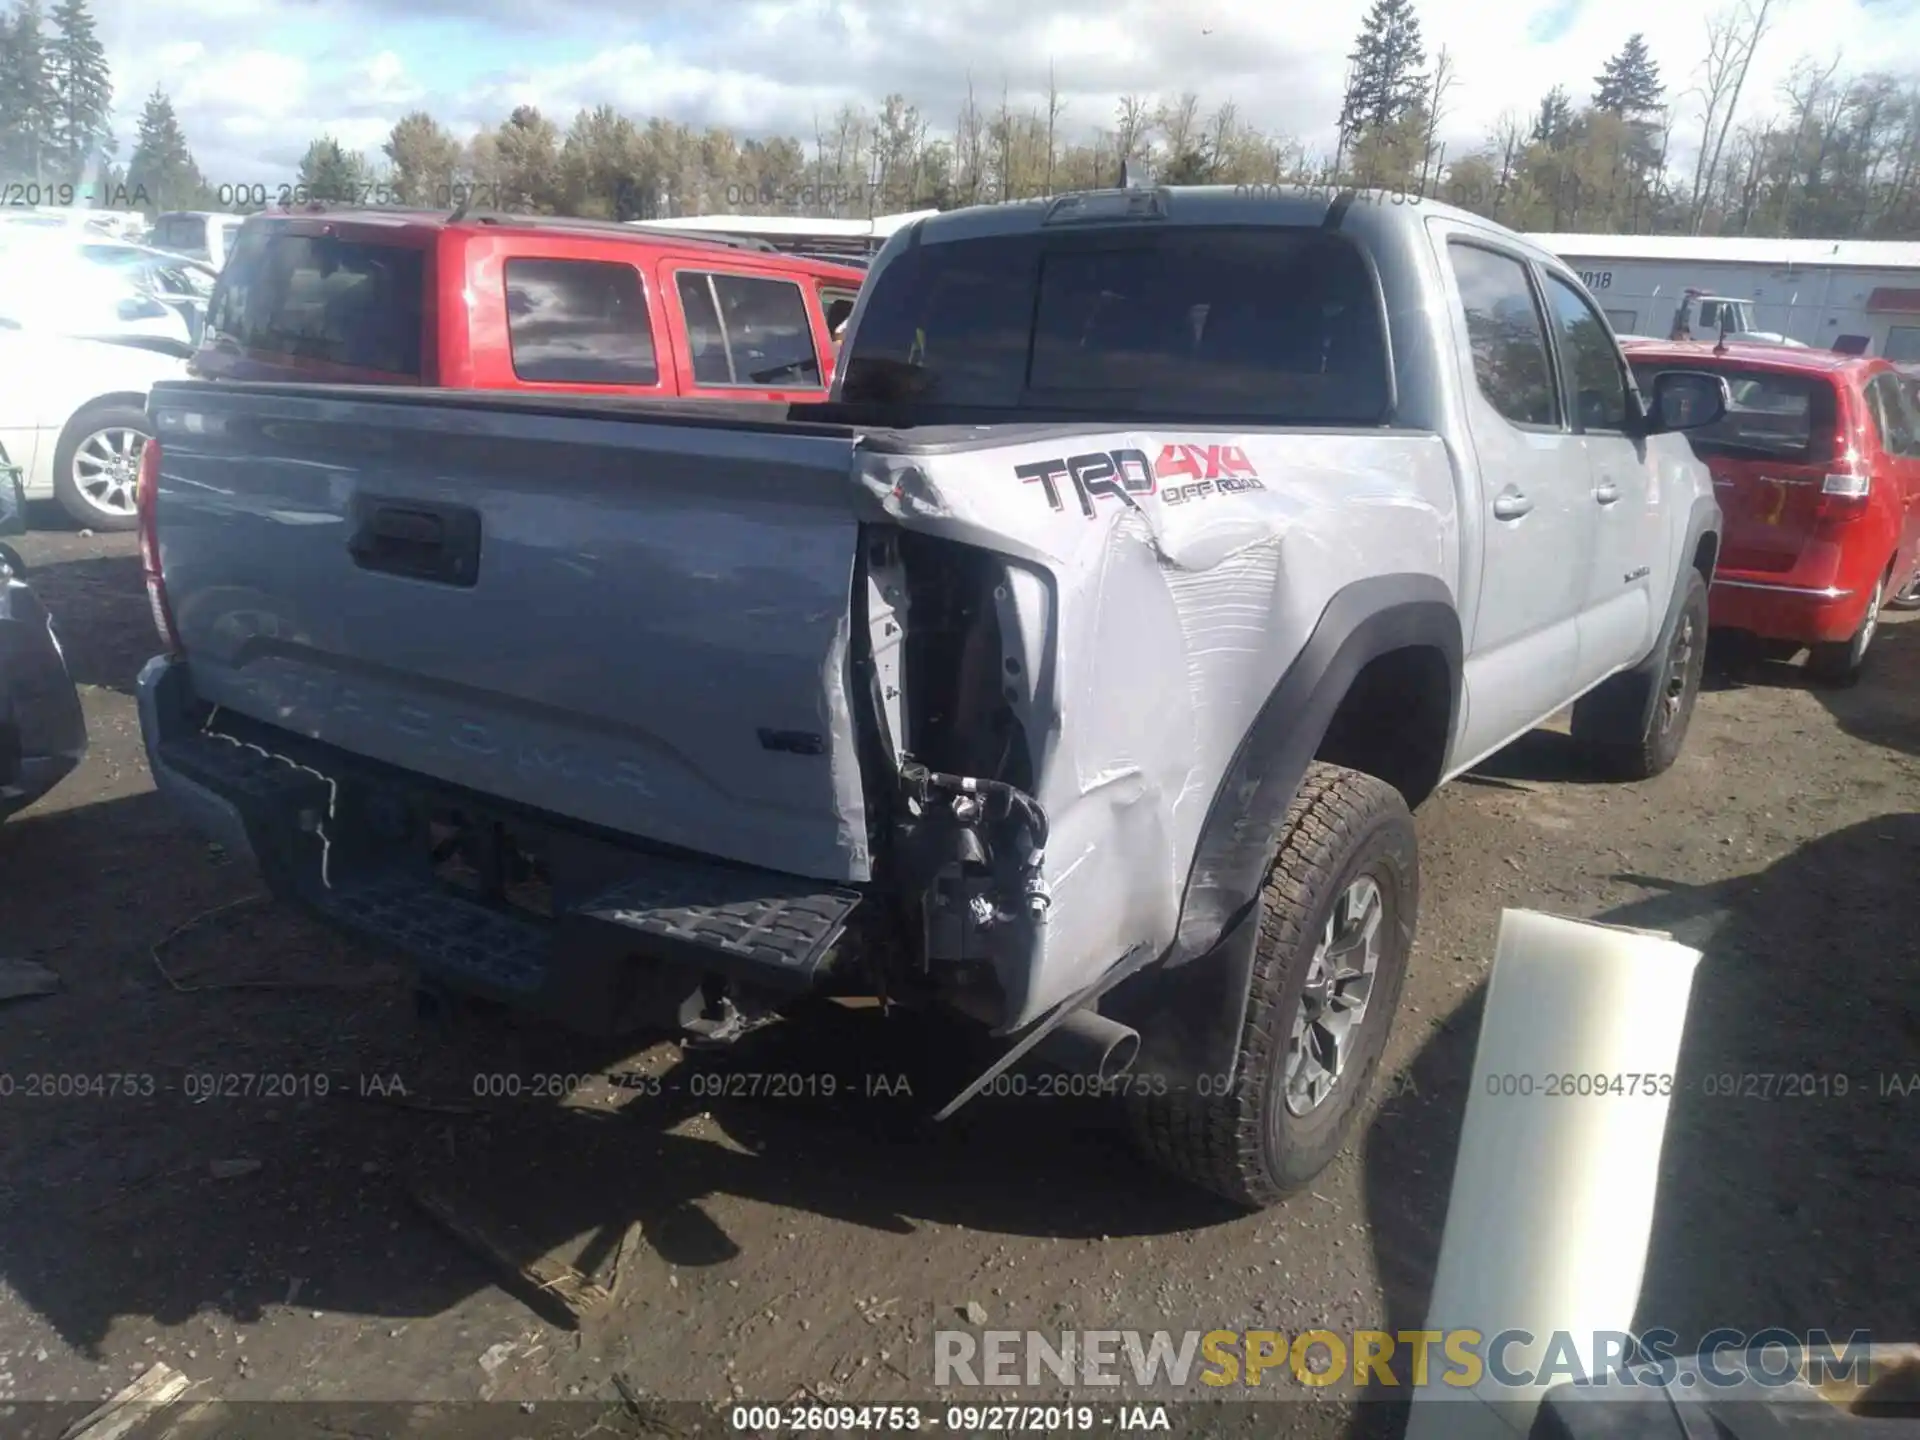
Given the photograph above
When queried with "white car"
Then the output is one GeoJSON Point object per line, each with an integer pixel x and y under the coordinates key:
{"type": "Point", "coordinates": [83, 285]}
{"type": "Point", "coordinates": [73, 417]}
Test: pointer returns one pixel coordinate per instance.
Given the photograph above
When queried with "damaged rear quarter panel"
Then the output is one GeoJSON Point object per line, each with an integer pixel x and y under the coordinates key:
{"type": "Point", "coordinates": [1179, 605]}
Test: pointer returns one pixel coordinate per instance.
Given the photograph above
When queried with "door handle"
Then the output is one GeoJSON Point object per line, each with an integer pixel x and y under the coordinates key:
{"type": "Point", "coordinates": [1511, 505]}
{"type": "Point", "coordinates": [1607, 493]}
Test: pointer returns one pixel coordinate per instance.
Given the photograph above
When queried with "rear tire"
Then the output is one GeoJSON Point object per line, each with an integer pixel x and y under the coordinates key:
{"type": "Point", "coordinates": [1336, 927]}
{"type": "Point", "coordinates": [96, 467]}
{"type": "Point", "coordinates": [1839, 662]}
{"type": "Point", "coordinates": [1677, 687]}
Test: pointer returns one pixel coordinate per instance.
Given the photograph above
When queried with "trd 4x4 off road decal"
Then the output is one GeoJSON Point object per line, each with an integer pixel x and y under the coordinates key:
{"type": "Point", "coordinates": [1123, 475]}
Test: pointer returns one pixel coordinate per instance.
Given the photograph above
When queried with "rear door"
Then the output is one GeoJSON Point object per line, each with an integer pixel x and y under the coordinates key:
{"type": "Point", "coordinates": [738, 335]}
{"type": "Point", "coordinates": [1631, 569]}
{"type": "Point", "coordinates": [1899, 426]}
{"type": "Point", "coordinates": [1536, 492]}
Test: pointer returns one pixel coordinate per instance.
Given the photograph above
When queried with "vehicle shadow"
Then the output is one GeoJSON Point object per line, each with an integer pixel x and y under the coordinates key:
{"type": "Point", "coordinates": [141, 1197]}
{"type": "Point", "coordinates": [1538, 757]}
{"type": "Point", "coordinates": [1882, 708]}
{"type": "Point", "coordinates": [1790, 1133]}
{"type": "Point", "coordinates": [99, 610]}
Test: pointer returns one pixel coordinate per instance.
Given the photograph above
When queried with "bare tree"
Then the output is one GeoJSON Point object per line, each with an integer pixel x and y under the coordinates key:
{"type": "Point", "coordinates": [1443, 79]}
{"type": "Point", "coordinates": [1510, 143]}
{"type": "Point", "coordinates": [1733, 36]}
{"type": "Point", "coordinates": [1803, 90]}
{"type": "Point", "coordinates": [1003, 143]}
{"type": "Point", "coordinates": [1135, 122]}
{"type": "Point", "coordinates": [1223, 139]}
{"type": "Point", "coordinates": [1056, 107]}
{"type": "Point", "coordinates": [1179, 124]}
{"type": "Point", "coordinates": [969, 145]}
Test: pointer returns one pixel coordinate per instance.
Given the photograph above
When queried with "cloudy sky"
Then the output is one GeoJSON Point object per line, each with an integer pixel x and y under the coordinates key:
{"type": "Point", "coordinates": [255, 80]}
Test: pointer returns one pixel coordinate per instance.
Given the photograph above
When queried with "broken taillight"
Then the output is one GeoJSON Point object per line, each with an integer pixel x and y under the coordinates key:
{"type": "Point", "coordinates": [146, 497]}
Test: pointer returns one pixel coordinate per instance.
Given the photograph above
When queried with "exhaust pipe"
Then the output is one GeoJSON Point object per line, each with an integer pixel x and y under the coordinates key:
{"type": "Point", "coordinates": [1088, 1044]}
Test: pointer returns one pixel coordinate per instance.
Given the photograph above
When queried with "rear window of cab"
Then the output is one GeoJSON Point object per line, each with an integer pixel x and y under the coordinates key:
{"type": "Point", "coordinates": [1201, 321]}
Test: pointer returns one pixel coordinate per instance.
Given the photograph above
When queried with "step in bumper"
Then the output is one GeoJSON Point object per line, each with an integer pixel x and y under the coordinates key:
{"type": "Point", "coordinates": [294, 807]}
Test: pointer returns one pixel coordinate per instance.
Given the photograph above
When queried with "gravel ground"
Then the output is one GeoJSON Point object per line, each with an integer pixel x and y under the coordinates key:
{"type": "Point", "coordinates": [264, 1243]}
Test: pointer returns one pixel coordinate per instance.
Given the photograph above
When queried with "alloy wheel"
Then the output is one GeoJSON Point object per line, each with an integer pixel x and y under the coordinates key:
{"type": "Point", "coordinates": [106, 469]}
{"type": "Point", "coordinates": [1334, 1000]}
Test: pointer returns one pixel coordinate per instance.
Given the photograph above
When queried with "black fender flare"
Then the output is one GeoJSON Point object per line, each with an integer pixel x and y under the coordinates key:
{"type": "Point", "coordinates": [1622, 705]}
{"type": "Point", "coordinates": [1190, 1007]}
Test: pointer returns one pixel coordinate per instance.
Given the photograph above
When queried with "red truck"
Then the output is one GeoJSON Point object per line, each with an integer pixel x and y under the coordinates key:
{"type": "Point", "coordinates": [521, 303]}
{"type": "Point", "coordinates": [1817, 469]}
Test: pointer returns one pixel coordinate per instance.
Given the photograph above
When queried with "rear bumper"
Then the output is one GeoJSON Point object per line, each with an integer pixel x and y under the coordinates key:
{"type": "Point", "coordinates": [1772, 607]}
{"type": "Point", "coordinates": [43, 733]}
{"type": "Point", "coordinates": [630, 936]}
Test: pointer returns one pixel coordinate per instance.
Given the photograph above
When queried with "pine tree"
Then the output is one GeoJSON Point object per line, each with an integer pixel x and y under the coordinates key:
{"type": "Point", "coordinates": [82, 86]}
{"type": "Point", "coordinates": [1630, 84]}
{"type": "Point", "coordinates": [26, 98]}
{"type": "Point", "coordinates": [1386, 79]}
{"type": "Point", "coordinates": [162, 172]}
{"type": "Point", "coordinates": [330, 174]}
{"type": "Point", "coordinates": [1554, 121]}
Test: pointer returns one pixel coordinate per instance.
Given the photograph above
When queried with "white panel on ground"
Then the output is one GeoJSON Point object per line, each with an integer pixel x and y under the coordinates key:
{"type": "Point", "coordinates": [1553, 1193]}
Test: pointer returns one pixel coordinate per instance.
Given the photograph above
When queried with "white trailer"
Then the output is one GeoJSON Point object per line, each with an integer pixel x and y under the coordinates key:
{"type": "Point", "coordinates": [1856, 295]}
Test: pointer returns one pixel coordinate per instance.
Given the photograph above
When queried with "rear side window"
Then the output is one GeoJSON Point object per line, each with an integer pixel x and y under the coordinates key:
{"type": "Point", "coordinates": [1505, 333]}
{"type": "Point", "coordinates": [1892, 415]}
{"type": "Point", "coordinates": [579, 322]}
{"type": "Point", "coordinates": [317, 297]}
{"type": "Point", "coordinates": [1773, 416]}
{"type": "Point", "coordinates": [837, 305]}
{"type": "Point", "coordinates": [1595, 378]}
{"type": "Point", "coordinates": [747, 330]}
{"type": "Point", "coordinates": [1205, 322]}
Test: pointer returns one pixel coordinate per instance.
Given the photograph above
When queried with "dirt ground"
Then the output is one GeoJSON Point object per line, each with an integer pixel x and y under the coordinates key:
{"type": "Point", "coordinates": [809, 1244]}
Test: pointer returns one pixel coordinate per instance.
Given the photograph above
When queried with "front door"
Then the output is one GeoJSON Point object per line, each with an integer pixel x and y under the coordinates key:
{"type": "Point", "coordinates": [1536, 497]}
{"type": "Point", "coordinates": [1621, 612]}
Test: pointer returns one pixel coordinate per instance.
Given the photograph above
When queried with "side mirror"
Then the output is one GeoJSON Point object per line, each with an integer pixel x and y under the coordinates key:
{"type": "Point", "coordinates": [1686, 400]}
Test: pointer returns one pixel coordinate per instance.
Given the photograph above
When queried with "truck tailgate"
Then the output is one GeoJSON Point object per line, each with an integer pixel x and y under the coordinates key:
{"type": "Point", "coordinates": [636, 625]}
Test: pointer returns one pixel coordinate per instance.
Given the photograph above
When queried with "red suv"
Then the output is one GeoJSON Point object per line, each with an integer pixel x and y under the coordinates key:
{"type": "Point", "coordinates": [1817, 466]}
{"type": "Point", "coordinates": [521, 303]}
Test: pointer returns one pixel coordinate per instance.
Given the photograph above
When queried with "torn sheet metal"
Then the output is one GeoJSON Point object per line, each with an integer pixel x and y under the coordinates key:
{"type": "Point", "coordinates": [1183, 572]}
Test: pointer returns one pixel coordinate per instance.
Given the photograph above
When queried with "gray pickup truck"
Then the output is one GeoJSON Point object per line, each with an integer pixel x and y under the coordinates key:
{"type": "Point", "coordinates": [1071, 671]}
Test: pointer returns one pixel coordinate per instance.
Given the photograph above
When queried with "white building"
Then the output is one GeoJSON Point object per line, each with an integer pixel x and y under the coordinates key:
{"type": "Point", "coordinates": [1835, 294]}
